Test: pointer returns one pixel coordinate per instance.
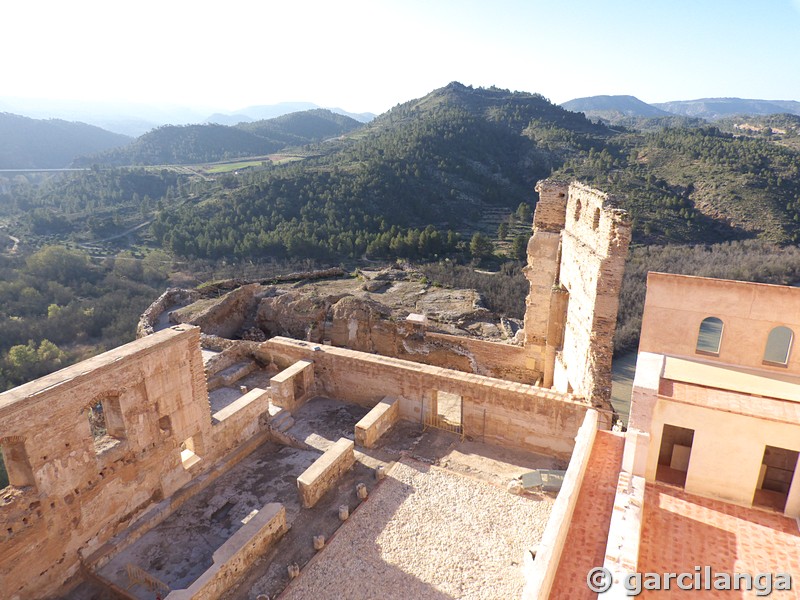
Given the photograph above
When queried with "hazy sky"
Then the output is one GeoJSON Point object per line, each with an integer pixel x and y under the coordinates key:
{"type": "Point", "coordinates": [370, 55]}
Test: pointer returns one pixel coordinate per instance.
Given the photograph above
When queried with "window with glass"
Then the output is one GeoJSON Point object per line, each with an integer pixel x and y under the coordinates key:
{"type": "Point", "coordinates": [710, 335]}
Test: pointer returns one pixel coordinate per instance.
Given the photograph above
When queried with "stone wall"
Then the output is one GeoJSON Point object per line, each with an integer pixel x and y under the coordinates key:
{"type": "Point", "coordinates": [293, 386]}
{"type": "Point", "coordinates": [377, 422]}
{"type": "Point", "coordinates": [495, 411]}
{"type": "Point", "coordinates": [255, 539]}
{"type": "Point", "coordinates": [365, 325]}
{"type": "Point", "coordinates": [323, 473]}
{"type": "Point", "coordinates": [171, 297]}
{"type": "Point", "coordinates": [544, 254]}
{"type": "Point", "coordinates": [540, 572]}
{"type": "Point", "coordinates": [75, 491]}
{"type": "Point", "coordinates": [594, 248]}
{"type": "Point", "coordinates": [473, 355]}
{"type": "Point", "coordinates": [576, 260]}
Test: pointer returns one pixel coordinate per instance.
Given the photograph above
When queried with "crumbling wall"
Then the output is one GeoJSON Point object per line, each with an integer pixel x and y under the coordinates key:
{"type": "Point", "coordinates": [594, 248]}
{"type": "Point", "coordinates": [544, 253]}
{"type": "Point", "coordinates": [473, 355]}
{"type": "Point", "coordinates": [294, 314]}
{"type": "Point", "coordinates": [82, 489]}
{"type": "Point", "coordinates": [81, 495]}
{"type": "Point", "coordinates": [576, 260]}
{"type": "Point", "coordinates": [362, 324]}
{"type": "Point", "coordinates": [229, 315]}
{"type": "Point", "coordinates": [171, 297]}
{"type": "Point", "coordinates": [365, 325]}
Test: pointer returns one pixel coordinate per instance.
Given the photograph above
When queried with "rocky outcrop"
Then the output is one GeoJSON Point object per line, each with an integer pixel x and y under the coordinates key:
{"type": "Point", "coordinates": [226, 317]}
{"type": "Point", "coordinates": [294, 314]}
{"type": "Point", "coordinates": [362, 324]}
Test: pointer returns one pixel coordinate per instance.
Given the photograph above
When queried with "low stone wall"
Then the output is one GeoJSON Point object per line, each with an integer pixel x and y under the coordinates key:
{"type": "Point", "coordinates": [541, 571]}
{"type": "Point", "coordinates": [325, 471]}
{"type": "Point", "coordinates": [523, 364]}
{"type": "Point", "coordinates": [494, 411]}
{"type": "Point", "coordinates": [171, 297]}
{"type": "Point", "coordinates": [293, 386]}
{"type": "Point", "coordinates": [236, 351]}
{"type": "Point", "coordinates": [625, 531]}
{"type": "Point", "coordinates": [231, 559]}
{"type": "Point", "coordinates": [231, 374]}
{"type": "Point", "coordinates": [377, 422]}
{"type": "Point", "coordinates": [240, 420]}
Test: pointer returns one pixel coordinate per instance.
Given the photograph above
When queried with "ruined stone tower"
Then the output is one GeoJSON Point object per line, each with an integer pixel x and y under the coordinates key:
{"type": "Point", "coordinates": [576, 259]}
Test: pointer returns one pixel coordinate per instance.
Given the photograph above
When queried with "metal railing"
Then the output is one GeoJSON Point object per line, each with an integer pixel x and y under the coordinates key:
{"type": "Point", "coordinates": [138, 576]}
{"type": "Point", "coordinates": [439, 422]}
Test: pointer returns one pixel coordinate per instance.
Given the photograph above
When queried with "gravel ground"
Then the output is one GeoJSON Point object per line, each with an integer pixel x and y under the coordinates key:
{"type": "Point", "coordinates": [427, 533]}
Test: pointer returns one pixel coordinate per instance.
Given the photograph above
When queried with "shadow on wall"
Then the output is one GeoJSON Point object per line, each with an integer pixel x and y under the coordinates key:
{"type": "Point", "coordinates": [3, 473]}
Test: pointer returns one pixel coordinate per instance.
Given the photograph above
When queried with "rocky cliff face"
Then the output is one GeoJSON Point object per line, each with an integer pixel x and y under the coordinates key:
{"type": "Point", "coordinates": [350, 311]}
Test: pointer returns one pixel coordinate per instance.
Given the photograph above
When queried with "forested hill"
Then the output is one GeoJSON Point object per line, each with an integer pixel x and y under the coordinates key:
{"type": "Point", "coordinates": [302, 127]}
{"type": "Point", "coordinates": [461, 159]}
{"type": "Point", "coordinates": [394, 188]}
{"type": "Point", "coordinates": [49, 144]}
{"type": "Point", "coordinates": [718, 108]}
{"type": "Point", "coordinates": [700, 185]}
{"type": "Point", "coordinates": [418, 181]}
{"type": "Point", "coordinates": [192, 144]}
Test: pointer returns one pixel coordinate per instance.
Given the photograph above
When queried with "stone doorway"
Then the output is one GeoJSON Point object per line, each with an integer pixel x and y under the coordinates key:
{"type": "Point", "coordinates": [446, 412]}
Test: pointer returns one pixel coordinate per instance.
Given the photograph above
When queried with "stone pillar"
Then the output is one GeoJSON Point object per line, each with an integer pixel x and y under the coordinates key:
{"type": "Point", "coordinates": [544, 249]}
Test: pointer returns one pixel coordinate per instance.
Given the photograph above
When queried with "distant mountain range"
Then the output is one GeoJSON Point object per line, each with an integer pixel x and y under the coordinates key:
{"type": "Point", "coordinates": [272, 111]}
{"type": "Point", "coordinates": [50, 144]}
{"type": "Point", "coordinates": [717, 108]}
{"type": "Point", "coordinates": [134, 119]}
{"type": "Point", "coordinates": [616, 109]}
{"type": "Point", "coordinates": [459, 158]}
{"type": "Point", "coordinates": [613, 107]}
{"type": "Point", "coordinates": [210, 142]}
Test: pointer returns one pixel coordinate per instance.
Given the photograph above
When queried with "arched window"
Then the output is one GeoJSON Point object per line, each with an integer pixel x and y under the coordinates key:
{"type": "Point", "coordinates": [779, 342]}
{"type": "Point", "coordinates": [596, 219]}
{"type": "Point", "coordinates": [577, 210]}
{"type": "Point", "coordinates": [710, 336]}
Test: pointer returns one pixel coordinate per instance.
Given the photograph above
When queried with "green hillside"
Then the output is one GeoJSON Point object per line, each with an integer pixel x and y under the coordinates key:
{"type": "Point", "coordinates": [302, 127]}
{"type": "Point", "coordinates": [195, 144]}
{"type": "Point", "coordinates": [185, 144]}
{"type": "Point", "coordinates": [458, 161]}
{"type": "Point", "coordinates": [699, 185]}
{"type": "Point", "coordinates": [439, 163]}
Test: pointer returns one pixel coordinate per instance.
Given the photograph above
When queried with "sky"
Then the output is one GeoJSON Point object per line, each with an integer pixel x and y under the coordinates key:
{"type": "Point", "coordinates": [367, 56]}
